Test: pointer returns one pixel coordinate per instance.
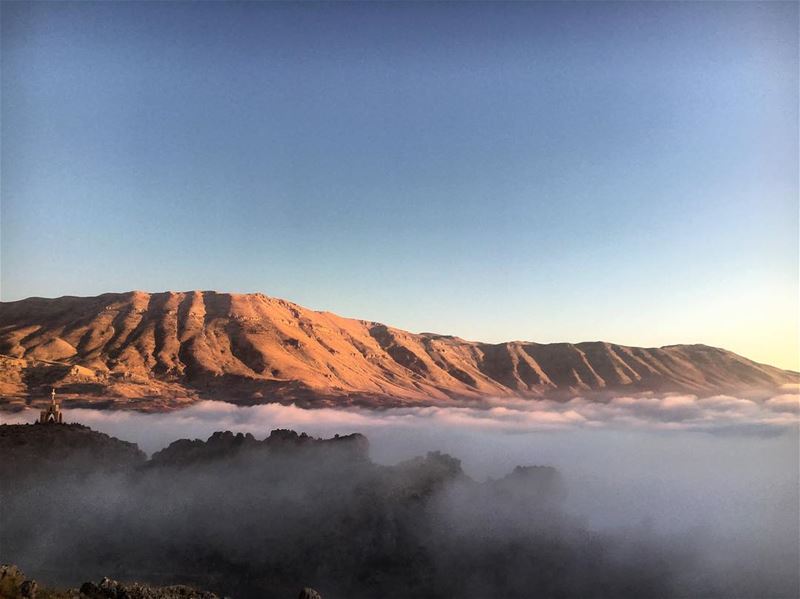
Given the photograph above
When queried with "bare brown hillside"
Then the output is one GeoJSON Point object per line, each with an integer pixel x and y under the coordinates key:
{"type": "Point", "coordinates": [159, 351]}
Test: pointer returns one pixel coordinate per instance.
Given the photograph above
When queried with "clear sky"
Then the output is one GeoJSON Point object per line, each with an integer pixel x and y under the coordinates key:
{"type": "Point", "coordinates": [549, 172]}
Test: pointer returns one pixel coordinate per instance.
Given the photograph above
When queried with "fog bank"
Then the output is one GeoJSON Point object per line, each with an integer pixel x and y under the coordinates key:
{"type": "Point", "coordinates": [674, 462]}
{"type": "Point", "coordinates": [714, 479]}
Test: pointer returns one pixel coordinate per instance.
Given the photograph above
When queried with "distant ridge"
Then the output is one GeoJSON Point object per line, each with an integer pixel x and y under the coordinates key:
{"type": "Point", "coordinates": [159, 351]}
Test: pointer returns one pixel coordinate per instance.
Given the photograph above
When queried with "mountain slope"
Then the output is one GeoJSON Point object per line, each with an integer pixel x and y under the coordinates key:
{"type": "Point", "coordinates": [155, 351]}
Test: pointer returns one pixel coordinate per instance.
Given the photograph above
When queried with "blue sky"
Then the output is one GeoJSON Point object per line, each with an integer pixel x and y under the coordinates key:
{"type": "Point", "coordinates": [550, 172]}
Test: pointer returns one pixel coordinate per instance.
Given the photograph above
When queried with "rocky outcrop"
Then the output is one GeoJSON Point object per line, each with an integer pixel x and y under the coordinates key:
{"type": "Point", "coordinates": [29, 449]}
{"type": "Point", "coordinates": [14, 585]}
{"type": "Point", "coordinates": [227, 445]}
{"type": "Point", "coordinates": [159, 351]}
{"type": "Point", "coordinates": [111, 589]}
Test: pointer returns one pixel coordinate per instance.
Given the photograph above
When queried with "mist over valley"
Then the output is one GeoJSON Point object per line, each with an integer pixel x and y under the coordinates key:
{"type": "Point", "coordinates": [667, 512]}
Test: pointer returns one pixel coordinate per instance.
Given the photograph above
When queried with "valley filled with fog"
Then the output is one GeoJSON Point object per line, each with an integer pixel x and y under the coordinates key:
{"type": "Point", "coordinates": [668, 462]}
{"type": "Point", "coordinates": [708, 488]}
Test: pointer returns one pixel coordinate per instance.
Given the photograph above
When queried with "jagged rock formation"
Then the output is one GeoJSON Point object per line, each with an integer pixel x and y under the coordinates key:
{"type": "Point", "coordinates": [226, 445]}
{"type": "Point", "coordinates": [159, 351]}
{"type": "Point", "coordinates": [111, 589]}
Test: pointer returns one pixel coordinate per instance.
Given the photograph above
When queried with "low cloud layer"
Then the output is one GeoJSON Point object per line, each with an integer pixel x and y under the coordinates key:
{"type": "Point", "coordinates": [722, 471]}
{"type": "Point", "coordinates": [738, 450]}
{"type": "Point", "coordinates": [721, 414]}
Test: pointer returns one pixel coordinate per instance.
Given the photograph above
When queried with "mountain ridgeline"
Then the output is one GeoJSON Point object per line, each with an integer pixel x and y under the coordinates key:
{"type": "Point", "coordinates": [158, 351]}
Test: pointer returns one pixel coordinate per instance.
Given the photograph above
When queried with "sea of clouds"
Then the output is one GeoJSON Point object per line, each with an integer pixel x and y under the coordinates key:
{"type": "Point", "coordinates": [674, 460]}
{"type": "Point", "coordinates": [620, 416]}
{"type": "Point", "coordinates": [722, 471]}
{"type": "Point", "coordinates": [719, 415]}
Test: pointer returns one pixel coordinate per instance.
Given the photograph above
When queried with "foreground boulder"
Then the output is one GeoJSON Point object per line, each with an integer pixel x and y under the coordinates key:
{"type": "Point", "coordinates": [13, 584]}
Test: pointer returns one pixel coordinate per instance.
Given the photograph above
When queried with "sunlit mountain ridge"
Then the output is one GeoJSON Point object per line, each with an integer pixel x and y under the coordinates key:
{"type": "Point", "coordinates": [161, 350]}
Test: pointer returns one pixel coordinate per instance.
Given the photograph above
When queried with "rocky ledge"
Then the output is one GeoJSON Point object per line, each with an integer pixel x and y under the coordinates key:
{"type": "Point", "coordinates": [15, 585]}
